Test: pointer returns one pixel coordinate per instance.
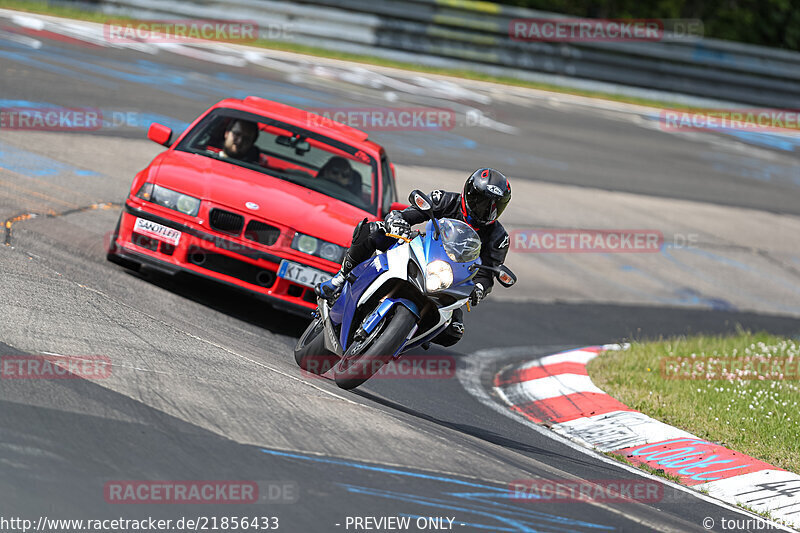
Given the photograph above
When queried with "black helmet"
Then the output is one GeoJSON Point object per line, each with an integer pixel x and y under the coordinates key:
{"type": "Point", "coordinates": [486, 195]}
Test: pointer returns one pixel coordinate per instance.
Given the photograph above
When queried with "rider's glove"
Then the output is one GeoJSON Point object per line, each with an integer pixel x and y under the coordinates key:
{"type": "Point", "coordinates": [397, 225]}
{"type": "Point", "coordinates": [477, 295]}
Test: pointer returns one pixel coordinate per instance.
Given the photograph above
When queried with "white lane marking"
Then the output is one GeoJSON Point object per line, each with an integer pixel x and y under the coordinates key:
{"type": "Point", "coordinates": [90, 32]}
{"type": "Point", "coordinates": [549, 387]}
{"type": "Point", "coordinates": [26, 21]}
{"type": "Point", "coordinates": [203, 55]}
{"type": "Point", "coordinates": [775, 491]}
{"type": "Point", "coordinates": [618, 429]}
{"type": "Point", "coordinates": [470, 379]}
{"type": "Point", "coordinates": [572, 356]}
{"type": "Point", "coordinates": [21, 39]}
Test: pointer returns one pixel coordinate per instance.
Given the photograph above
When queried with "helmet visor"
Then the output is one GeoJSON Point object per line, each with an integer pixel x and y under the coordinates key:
{"type": "Point", "coordinates": [484, 209]}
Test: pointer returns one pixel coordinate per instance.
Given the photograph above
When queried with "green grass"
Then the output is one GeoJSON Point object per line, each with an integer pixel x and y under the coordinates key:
{"type": "Point", "coordinates": [56, 10]}
{"type": "Point", "coordinates": [646, 468]}
{"type": "Point", "coordinates": [762, 514]}
{"type": "Point", "coordinates": [46, 8]}
{"type": "Point", "coordinates": [757, 417]}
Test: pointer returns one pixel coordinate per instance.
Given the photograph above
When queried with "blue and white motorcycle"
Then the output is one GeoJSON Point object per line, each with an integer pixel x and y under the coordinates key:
{"type": "Point", "coordinates": [395, 301]}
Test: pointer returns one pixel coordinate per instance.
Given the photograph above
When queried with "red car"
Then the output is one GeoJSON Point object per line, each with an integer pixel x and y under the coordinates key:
{"type": "Point", "coordinates": [273, 219]}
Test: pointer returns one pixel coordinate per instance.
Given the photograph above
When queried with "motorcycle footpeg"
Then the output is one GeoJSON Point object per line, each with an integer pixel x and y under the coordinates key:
{"type": "Point", "coordinates": [360, 335]}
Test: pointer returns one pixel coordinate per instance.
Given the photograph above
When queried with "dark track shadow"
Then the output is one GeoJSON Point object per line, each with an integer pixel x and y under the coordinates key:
{"type": "Point", "coordinates": [237, 303]}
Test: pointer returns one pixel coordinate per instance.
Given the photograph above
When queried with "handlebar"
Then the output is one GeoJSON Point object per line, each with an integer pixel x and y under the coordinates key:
{"type": "Point", "coordinates": [413, 235]}
{"type": "Point", "coordinates": [398, 237]}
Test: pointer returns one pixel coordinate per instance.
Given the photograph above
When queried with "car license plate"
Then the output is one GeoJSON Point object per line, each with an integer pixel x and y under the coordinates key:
{"type": "Point", "coordinates": [157, 231]}
{"type": "Point", "coordinates": [302, 274]}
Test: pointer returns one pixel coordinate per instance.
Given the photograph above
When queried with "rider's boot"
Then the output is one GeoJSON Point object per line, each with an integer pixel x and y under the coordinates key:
{"type": "Point", "coordinates": [361, 249]}
{"type": "Point", "coordinates": [331, 288]}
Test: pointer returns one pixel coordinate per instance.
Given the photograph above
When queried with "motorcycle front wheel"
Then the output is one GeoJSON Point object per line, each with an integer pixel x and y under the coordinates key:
{"type": "Point", "coordinates": [351, 371]}
{"type": "Point", "coordinates": [310, 353]}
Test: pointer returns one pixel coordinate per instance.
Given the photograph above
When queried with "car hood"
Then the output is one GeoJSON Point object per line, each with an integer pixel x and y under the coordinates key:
{"type": "Point", "coordinates": [279, 201]}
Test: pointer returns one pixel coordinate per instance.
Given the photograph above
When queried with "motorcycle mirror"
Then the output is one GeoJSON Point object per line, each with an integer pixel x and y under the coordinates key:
{"type": "Point", "coordinates": [505, 276]}
{"type": "Point", "coordinates": [420, 200]}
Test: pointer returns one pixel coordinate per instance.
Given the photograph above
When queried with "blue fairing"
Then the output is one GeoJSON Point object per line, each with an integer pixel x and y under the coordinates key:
{"type": "Point", "coordinates": [383, 309]}
{"type": "Point", "coordinates": [343, 310]}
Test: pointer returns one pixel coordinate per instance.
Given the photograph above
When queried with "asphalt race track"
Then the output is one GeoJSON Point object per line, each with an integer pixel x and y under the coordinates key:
{"type": "Point", "coordinates": [204, 385]}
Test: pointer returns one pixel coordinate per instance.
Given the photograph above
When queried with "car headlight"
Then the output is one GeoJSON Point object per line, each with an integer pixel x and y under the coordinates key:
{"type": "Point", "coordinates": [331, 252]}
{"type": "Point", "coordinates": [183, 203]}
{"type": "Point", "coordinates": [438, 276]}
{"type": "Point", "coordinates": [317, 247]}
{"type": "Point", "coordinates": [307, 244]}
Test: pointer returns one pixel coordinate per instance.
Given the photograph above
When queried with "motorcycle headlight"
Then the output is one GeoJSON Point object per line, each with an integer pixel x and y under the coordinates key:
{"type": "Point", "coordinates": [317, 247]}
{"type": "Point", "coordinates": [183, 203]}
{"type": "Point", "coordinates": [438, 276]}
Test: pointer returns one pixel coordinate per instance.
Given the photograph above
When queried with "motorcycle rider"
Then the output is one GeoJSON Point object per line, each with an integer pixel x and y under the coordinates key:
{"type": "Point", "coordinates": [485, 196]}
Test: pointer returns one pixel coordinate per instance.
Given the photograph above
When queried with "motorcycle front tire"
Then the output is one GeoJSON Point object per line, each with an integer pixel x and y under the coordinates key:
{"type": "Point", "coordinates": [352, 371]}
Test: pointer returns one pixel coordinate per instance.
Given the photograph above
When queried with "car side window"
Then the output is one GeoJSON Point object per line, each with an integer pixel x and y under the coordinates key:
{"type": "Point", "coordinates": [389, 192]}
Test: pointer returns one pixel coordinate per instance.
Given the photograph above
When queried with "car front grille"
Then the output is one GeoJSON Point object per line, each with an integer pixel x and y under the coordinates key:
{"type": "Point", "coordinates": [226, 221]}
{"type": "Point", "coordinates": [262, 233]}
{"type": "Point", "coordinates": [229, 266]}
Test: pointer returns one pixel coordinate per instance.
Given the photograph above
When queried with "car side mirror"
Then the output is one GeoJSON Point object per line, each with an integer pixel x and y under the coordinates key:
{"type": "Point", "coordinates": [397, 206]}
{"type": "Point", "coordinates": [505, 276]}
{"type": "Point", "coordinates": [159, 134]}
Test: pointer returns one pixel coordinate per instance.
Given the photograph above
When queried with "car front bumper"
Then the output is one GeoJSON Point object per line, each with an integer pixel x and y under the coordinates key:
{"type": "Point", "coordinates": [213, 256]}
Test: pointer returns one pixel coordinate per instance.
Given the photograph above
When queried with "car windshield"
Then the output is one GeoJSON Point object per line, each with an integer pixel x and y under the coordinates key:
{"type": "Point", "coordinates": [460, 241]}
{"type": "Point", "coordinates": [290, 153]}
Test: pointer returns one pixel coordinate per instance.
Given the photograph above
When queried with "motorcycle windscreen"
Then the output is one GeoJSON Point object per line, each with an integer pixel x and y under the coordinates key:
{"type": "Point", "coordinates": [461, 243]}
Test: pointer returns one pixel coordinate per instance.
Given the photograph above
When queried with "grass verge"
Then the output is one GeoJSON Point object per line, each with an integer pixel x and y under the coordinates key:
{"type": "Point", "coordinates": [45, 8]}
{"type": "Point", "coordinates": [719, 397]}
{"type": "Point", "coordinates": [646, 468]}
{"type": "Point", "coordinates": [55, 10]}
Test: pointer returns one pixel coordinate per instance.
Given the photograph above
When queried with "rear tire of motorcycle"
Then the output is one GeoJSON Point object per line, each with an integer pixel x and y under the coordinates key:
{"type": "Point", "coordinates": [310, 353]}
{"type": "Point", "coordinates": [351, 372]}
